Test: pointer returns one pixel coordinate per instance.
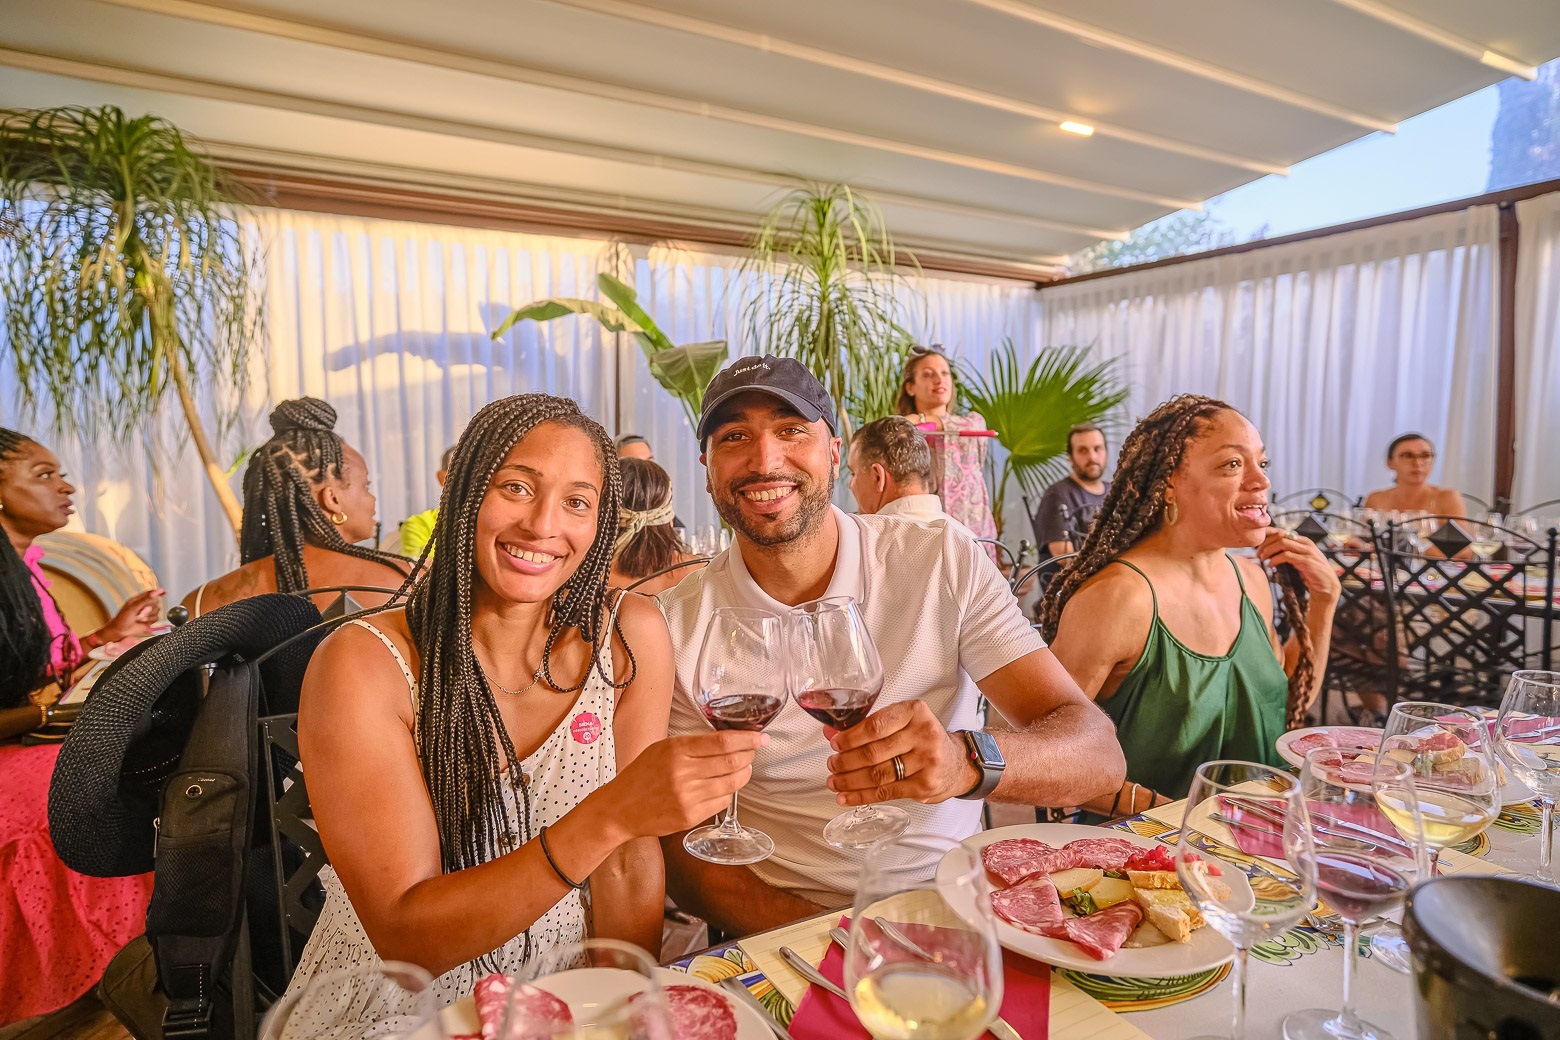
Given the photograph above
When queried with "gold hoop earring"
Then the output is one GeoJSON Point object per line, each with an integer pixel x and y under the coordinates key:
{"type": "Point", "coordinates": [1172, 514]}
{"type": "Point", "coordinates": [338, 518]}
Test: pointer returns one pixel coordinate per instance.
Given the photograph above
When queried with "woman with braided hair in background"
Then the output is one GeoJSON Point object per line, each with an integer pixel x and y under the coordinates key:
{"type": "Point", "coordinates": [483, 757]}
{"type": "Point", "coordinates": [647, 542]}
{"type": "Point", "coordinates": [307, 502]}
{"type": "Point", "coordinates": [1177, 644]}
{"type": "Point", "coordinates": [58, 928]}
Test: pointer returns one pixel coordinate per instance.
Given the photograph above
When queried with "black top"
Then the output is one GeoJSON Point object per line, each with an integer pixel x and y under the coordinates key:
{"type": "Point", "coordinates": [1066, 511]}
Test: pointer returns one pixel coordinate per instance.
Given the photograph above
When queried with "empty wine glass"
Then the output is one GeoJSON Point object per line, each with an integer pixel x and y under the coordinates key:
{"type": "Point", "coordinates": [1289, 520]}
{"type": "Point", "coordinates": [624, 997]}
{"type": "Point", "coordinates": [741, 685]}
{"type": "Point", "coordinates": [1527, 737]}
{"type": "Point", "coordinates": [835, 676]}
{"type": "Point", "coordinates": [1364, 864]}
{"type": "Point", "coordinates": [708, 539]}
{"type": "Point", "coordinates": [1236, 811]}
{"type": "Point", "coordinates": [923, 961]}
{"type": "Point", "coordinates": [1456, 786]}
{"type": "Point", "coordinates": [384, 1001]}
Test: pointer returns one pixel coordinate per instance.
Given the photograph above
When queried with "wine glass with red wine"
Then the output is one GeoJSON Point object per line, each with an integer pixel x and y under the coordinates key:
{"type": "Point", "coordinates": [835, 676]}
{"type": "Point", "coordinates": [741, 685]}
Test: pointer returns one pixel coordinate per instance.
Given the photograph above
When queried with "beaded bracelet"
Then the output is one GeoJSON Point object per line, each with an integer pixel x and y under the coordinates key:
{"type": "Point", "coordinates": [542, 837]}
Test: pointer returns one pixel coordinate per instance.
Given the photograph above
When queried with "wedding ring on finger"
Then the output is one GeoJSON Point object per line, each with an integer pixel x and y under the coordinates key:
{"type": "Point", "coordinates": [899, 768]}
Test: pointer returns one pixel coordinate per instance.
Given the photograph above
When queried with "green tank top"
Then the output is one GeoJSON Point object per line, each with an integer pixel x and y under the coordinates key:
{"type": "Point", "coordinates": [1177, 709]}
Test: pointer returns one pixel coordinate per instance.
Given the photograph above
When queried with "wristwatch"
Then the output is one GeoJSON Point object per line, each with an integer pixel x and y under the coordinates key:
{"type": "Point", "coordinates": [984, 753]}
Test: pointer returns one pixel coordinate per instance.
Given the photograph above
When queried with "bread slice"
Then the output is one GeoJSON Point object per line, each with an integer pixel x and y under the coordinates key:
{"type": "Point", "coordinates": [1172, 921]}
{"type": "Point", "coordinates": [1153, 879]}
{"type": "Point", "coordinates": [1151, 899]}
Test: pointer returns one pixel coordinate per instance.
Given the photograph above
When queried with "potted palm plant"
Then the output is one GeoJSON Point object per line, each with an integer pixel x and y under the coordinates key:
{"type": "Point", "coordinates": [1031, 409]}
{"type": "Point", "coordinates": [830, 295]}
{"type": "Point", "coordinates": [124, 275]}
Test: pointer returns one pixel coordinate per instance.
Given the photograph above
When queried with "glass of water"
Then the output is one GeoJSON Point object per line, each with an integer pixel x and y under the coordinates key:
{"type": "Point", "coordinates": [1527, 738]}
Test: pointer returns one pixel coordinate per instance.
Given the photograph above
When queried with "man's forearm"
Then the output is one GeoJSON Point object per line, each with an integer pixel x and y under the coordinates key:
{"type": "Point", "coordinates": [732, 899]}
{"type": "Point", "coordinates": [1067, 758]}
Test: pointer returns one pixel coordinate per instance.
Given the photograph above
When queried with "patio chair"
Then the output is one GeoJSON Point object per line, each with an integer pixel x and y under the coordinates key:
{"type": "Point", "coordinates": [1318, 499]}
{"type": "Point", "coordinates": [1461, 626]}
{"type": "Point", "coordinates": [1362, 639]}
{"type": "Point", "coordinates": [696, 562]}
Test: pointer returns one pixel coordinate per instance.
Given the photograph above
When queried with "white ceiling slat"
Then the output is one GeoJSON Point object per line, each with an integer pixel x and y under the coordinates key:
{"type": "Point", "coordinates": [902, 77]}
{"type": "Point", "coordinates": [700, 112]}
{"type": "Point", "coordinates": [1196, 67]}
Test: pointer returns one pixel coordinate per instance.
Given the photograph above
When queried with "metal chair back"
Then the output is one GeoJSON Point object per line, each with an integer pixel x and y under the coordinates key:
{"type": "Point", "coordinates": [1317, 499]}
{"type": "Point", "coordinates": [296, 852]}
{"type": "Point", "coordinates": [696, 562]}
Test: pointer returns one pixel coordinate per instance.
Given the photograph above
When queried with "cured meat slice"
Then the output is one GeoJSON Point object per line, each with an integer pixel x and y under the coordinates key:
{"type": "Point", "coordinates": [1103, 853]}
{"type": "Point", "coordinates": [699, 1013]}
{"type": "Point", "coordinates": [1346, 738]}
{"type": "Point", "coordinates": [1015, 859]}
{"type": "Point", "coordinates": [539, 1015]}
{"type": "Point", "coordinates": [1101, 934]}
{"type": "Point", "coordinates": [1032, 906]}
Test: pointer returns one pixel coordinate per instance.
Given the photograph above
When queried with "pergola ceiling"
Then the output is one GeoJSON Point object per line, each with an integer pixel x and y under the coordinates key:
{"type": "Point", "coordinates": [702, 111]}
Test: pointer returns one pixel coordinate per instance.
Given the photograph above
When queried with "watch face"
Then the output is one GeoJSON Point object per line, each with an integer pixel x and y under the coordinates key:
{"type": "Point", "coordinates": [985, 748]}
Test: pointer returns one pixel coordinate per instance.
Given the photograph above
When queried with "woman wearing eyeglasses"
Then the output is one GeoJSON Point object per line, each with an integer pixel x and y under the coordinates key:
{"type": "Point", "coordinates": [958, 463]}
{"type": "Point", "coordinates": [1411, 457]}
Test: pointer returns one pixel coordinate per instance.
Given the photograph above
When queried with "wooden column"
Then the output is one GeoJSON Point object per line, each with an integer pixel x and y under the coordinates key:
{"type": "Point", "coordinates": [1506, 369]}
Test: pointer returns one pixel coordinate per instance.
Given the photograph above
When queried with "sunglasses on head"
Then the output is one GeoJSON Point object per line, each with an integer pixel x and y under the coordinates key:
{"type": "Point", "coordinates": [935, 348]}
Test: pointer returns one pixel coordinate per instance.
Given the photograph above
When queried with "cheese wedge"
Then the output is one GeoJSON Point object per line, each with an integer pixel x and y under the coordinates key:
{"type": "Point", "coordinates": [1172, 921]}
{"type": "Point", "coordinates": [1167, 879]}
{"type": "Point", "coordinates": [1169, 910]}
{"type": "Point", "coordinates": [1076, 877]}
{"type": "Point", "coordinates": [1110, 891]}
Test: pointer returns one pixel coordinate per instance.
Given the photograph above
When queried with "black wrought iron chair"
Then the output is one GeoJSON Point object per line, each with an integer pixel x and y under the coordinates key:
{"type": "Point", "coordinates": [1475, 504]}
{"type": "Point", "coordinates": [1318, 499]}
{"type": "Point", "coordinates": [697, 562]}
{"type": "Point", "coordinates": [1462, 625]}
{"type": "Point", "coordinates": [1547, 507]}
{"type": "Point", "coordinates": [296, 856]}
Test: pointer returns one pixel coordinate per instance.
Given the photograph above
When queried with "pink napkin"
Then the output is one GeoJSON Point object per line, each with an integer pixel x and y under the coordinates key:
{"type": "Point", "coordinates": [1026, 1001]}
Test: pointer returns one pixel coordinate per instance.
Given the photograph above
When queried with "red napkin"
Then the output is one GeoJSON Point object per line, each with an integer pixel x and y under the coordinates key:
{"type": "Point", "coordinates": [1026, 1001]}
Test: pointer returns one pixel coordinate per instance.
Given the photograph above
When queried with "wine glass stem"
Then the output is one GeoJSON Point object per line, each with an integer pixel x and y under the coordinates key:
{"type": "Point", "coordinates": [1238, 988]}
{"type": "Point", "coordinates": [1546, 839]}
{"type": "Point", "coordinates": [730, 825]}
{"type": "Point", "coordinates": [1351, 956]}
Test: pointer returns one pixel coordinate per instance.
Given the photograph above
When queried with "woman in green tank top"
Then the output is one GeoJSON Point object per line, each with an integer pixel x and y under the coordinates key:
{"type": "Point", "coordinates": [1167, 631]}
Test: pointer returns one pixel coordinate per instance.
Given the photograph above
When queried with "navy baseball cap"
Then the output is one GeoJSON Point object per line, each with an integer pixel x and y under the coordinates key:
{"type": "Point", "coordinates": [785, 378]}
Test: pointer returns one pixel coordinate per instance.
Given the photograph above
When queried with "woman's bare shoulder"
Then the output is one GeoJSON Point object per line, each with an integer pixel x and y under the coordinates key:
{"type": "Point", "coordinates": [255, 578]}
{"type": "Point", "coordinates": [357, 651]}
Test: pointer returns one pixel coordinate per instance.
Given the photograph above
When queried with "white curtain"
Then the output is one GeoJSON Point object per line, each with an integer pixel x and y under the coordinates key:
{"type": "Point", "coordinates": [1332, 346]}
{"type": "Point", "coordinates": [1538, 353]}
{"type": "Point", "coordinates": [389, 322]}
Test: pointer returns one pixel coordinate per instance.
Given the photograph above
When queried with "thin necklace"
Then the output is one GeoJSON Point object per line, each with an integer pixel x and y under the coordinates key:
{"type": "Point", "coordinates": [535, 678]}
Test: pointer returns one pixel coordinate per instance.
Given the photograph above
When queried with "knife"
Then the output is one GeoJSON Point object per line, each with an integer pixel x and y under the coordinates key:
{"type": "Point", "coordinates": [998, 1027]}
{"type": "Point", "coordinates": [733, 985]}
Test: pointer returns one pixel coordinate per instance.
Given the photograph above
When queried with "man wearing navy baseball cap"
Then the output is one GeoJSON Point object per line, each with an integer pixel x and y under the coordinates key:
{"type": "Point", "coordinates": [946, 627]}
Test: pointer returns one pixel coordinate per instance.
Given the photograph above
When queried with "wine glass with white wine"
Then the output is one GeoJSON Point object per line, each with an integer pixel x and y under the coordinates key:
{"type": "Point", "coordinates": [1527, 738]}
{"type": "Point", "coordinates": [1456, 784]}
{"type": "Point", "coordinates": [935, 973]}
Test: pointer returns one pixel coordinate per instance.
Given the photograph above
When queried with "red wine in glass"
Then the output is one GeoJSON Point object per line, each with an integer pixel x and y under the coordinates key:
{"type": "Point", "coordinates": [839, 708]}
{"type": "Point", "coordinates": [749, 711]}
{"type": "Point", "coordinates": [1356, 886]}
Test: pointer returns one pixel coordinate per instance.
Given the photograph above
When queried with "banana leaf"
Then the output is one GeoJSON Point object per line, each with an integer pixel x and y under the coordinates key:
{"type": "Point", "coordinates": [649, 334]}
{"type": "Point", "coordinates": [611, 318]}
{"type": "Point", "coordinates": [686, 372]}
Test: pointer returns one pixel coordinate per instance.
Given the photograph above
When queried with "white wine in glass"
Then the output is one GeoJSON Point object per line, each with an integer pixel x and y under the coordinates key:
{"type": "Point", "coordinates": [945, 983]}
{"type": "Point", "coordinates": [1456, 785]}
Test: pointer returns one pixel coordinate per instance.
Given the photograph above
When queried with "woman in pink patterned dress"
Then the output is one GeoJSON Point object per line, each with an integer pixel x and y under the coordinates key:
{"type": "Point", "coordinates": [58, 928]}
{"type": "Point", "coordinates": [958, 463]}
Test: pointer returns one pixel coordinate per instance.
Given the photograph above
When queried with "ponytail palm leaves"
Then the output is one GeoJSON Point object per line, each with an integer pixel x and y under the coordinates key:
{"type": "Point", "coordinates": [123, 275]}
{"type": "Point", "coordinates": [1032, 409]}
{"type": "Point", "coordinates": [829, 295]}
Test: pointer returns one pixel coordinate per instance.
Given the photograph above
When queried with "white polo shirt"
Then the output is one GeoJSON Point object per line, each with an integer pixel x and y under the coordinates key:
{"type": "Point", "coordinates": [942, 619]}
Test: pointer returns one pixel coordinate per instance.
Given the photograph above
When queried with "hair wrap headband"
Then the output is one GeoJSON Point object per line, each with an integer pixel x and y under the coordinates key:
{"type": "Point", "coordinates": [632, 521]}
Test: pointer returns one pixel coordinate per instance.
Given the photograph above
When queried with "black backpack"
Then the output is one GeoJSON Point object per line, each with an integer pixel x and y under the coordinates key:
{"type": "Point", "coordinates": [161, 773]}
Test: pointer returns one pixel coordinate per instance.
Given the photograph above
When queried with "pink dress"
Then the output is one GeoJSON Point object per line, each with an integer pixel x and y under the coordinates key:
{"type": "Point", "coordinates": [959, 471]}
{"type": "Point", "coordinates": [58, 928]}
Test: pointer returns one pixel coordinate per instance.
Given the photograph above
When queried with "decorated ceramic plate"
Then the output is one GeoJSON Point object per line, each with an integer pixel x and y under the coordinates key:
{"type": "Point", "coordinates": [1292, 746]}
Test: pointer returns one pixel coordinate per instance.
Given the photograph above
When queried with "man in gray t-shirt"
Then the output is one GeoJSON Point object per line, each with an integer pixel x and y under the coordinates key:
{"type": "Point", "coordinates": [1068, 506]}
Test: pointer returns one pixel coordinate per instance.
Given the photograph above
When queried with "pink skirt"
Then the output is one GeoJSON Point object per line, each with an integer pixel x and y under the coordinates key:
{"type": "Point", "coordinates": [58, 928]}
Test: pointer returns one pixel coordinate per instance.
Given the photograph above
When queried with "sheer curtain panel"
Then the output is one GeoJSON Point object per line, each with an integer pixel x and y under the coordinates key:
{"type": "Point", "coordinates": [1538, 352]}
{"type": "Point", "coordinates": [1332, 346]}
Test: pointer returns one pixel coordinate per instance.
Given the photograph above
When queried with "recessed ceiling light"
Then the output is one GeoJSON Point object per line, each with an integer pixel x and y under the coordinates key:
{"type": "Point", "coordinates": [1081, 129]}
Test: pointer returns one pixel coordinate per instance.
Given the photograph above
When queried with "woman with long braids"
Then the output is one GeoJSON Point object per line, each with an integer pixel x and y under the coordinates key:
{"type": "Point", "coordinates": [58, 929]}
{"type": "Point", "coordinates": [1177, 643]}
{"type": "Point", "coordinates": [488, 764]}
{"type": "Point", "coordinates": [307, 502]}
{"type": "Point", "coordinates": [647, 542]}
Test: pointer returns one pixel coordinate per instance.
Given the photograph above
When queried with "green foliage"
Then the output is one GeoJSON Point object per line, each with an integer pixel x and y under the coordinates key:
{"type": "Point", "coordinates": [1032, 409]}
{"type": "Point", "coordinates": [1179, 234]}
{"type": "Point", "coordinates": [874, 392]}
{"type": "Point", "coordinates": [122, 269]}
{"type": "Point", "coordinates": [827, 282]}
{"type": "Point", "coordinates": [1525, 138]}
{"type": "Point", "coordinates": [684, 372]}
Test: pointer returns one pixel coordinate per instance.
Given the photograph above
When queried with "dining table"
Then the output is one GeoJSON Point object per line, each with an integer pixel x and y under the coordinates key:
{"type": "Point", "coordinates": [1300, 968]}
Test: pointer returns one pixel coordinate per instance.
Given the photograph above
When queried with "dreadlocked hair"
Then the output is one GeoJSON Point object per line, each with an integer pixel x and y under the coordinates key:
{"type": "Point", "coordinates": [24, 637]}
{"type": "Point", "coordinates": [281, 513]}
{"type": "Point", "coordinates": [457, 715]}
{"type": "Point", "coordinates": [1134, 508]}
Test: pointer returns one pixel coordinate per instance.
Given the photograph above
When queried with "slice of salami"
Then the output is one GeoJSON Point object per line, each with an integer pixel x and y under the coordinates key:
{"type": "Point", "coordinates": [699, 1013]}
{"type": "Point", "coordinates": [1032, 906]}
{"type": "Point", "coordinates": [1016, 859]}
{"type": "Point", "coordinates": [537, 1014]}
{"type": "Point", "coordinates": [1101, 853]}
{"type": "Point", "coordinates": [1101, 934]}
